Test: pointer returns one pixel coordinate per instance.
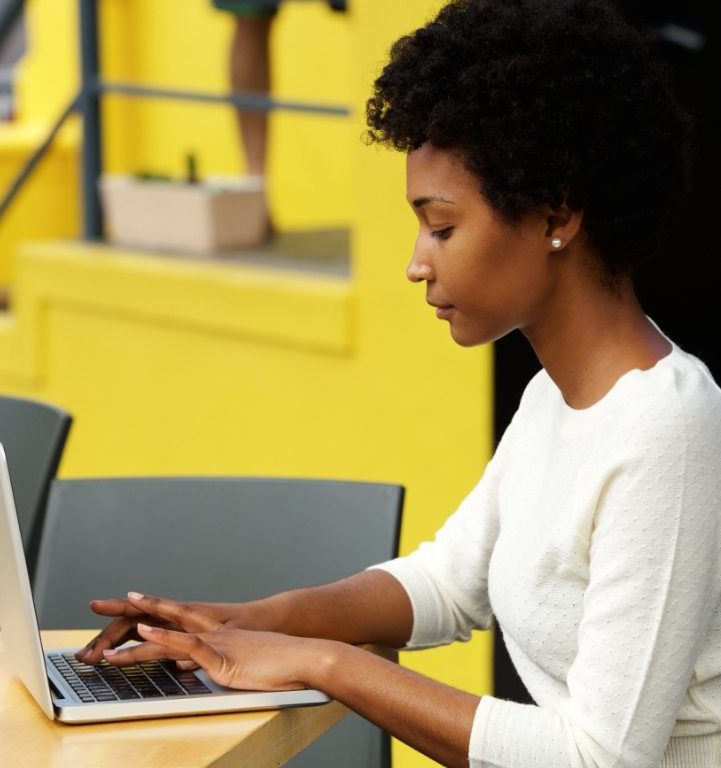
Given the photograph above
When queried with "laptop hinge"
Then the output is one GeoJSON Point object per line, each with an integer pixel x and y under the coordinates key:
{"type": "Point", "coordinates": [54, 690]}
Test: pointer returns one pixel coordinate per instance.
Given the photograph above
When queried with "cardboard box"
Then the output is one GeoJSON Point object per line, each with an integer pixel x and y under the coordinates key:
{"type": "Point", "coordinates": [205, 218]}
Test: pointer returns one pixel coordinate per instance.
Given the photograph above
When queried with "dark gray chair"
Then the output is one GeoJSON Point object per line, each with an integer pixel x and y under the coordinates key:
{"type": "Point", "coordinates": [33, 435]}
{"type": "Point", "coordinates": [220, 540]}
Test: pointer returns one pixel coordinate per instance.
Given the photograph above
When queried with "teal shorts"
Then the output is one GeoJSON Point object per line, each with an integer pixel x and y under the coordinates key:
{"type": "Point", "coordinates": [251, 9]}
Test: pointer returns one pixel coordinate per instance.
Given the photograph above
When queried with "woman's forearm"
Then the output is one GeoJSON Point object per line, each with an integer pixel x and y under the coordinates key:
{"type": "Point", "coordinates": [432, 718]}
{"type": "Point", "coordinates": [368, 607]}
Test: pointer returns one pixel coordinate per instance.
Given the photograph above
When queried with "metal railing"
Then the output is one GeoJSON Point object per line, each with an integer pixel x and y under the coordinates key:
{"type": "Point", "coordinates": [87, 104]}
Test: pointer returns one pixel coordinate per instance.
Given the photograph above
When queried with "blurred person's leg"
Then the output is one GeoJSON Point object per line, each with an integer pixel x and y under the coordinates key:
{"type": "Point", "coordinates": [250, 71]}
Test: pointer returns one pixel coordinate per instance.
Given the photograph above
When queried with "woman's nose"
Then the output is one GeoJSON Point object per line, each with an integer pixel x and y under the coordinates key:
{"type": "Point", "coordinates": [418, 270]}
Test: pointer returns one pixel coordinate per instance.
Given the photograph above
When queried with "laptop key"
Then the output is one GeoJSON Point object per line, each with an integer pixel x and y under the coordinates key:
{"type": "Point", "coordinates": [129, 694]}
{"type": "Point", "coordinates": [169, 688]}
{"type": "Point", "coordinates": [154, 694]}
{"type": "Point", "coordinates": [109, 696]}
{"type": "Point", "coordinates": [196, 687]}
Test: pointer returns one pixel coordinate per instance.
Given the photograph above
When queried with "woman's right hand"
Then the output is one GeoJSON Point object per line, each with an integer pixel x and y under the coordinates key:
{"type": "Point", "coordinates": [126, 615]}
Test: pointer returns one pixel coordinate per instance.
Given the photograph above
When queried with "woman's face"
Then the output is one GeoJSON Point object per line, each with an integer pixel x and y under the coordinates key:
{"type": "Point", "coordinates": [486, 277]}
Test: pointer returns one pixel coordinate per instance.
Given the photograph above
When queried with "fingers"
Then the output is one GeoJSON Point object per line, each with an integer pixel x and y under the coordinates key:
{"type": "Point", "coordinates": [123, 657]}
{"type": "Point", "coordinates": [177, 645]}
{"type": "Point", "coordinates": [116, 633]}
{"type": "Point", "coordinates": [117, 607]}
{"type": "Point", "coordinates": [184, 615]}
{"type": "Point", "coordinates": [137, 606]}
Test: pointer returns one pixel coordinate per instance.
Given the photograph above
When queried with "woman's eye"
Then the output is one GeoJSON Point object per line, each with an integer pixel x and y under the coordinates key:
{"type": "Point", "coordinates": [442, 234]}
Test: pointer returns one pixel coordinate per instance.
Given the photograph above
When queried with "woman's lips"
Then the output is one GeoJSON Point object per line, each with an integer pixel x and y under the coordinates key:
{"type": "Point", "coordinates": [444, 313]}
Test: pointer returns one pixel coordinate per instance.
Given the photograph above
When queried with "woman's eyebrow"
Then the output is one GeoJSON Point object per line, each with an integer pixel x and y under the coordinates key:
{"type": "Point", "coordinates": [419, 202]}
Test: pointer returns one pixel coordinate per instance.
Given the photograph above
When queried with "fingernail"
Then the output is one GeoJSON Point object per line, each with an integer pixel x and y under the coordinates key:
{"type": "Point", "coordinates": [144, 628]}
{"type": "Point", "coordinates": [110, 652]}
{"type": "Point", "coordinates": [135, 596]}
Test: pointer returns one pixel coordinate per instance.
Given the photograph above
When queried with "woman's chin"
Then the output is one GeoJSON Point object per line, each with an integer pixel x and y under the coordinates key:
{"type": "Point", "coordinates": [472, 337]}
{"type": "Point", "coordinates": [463, 338]}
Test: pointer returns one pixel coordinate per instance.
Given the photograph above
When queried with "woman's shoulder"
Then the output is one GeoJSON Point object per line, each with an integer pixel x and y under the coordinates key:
{"type": "Point", "coordinates": [673, 407]}
{"type": "Point", "coordinates": [683, 384]}
{"type": "Point", "coordinates": [537, 391]}
{"type": "Point", "coordinates": [675, 399]}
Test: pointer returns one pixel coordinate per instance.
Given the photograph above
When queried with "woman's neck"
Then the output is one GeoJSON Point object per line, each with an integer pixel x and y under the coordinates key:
{"type": "Point", "coordinates": [591, 336]}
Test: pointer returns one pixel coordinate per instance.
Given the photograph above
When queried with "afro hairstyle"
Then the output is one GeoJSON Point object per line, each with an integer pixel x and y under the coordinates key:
{"type": "Point", "coordinates": [547, 102]}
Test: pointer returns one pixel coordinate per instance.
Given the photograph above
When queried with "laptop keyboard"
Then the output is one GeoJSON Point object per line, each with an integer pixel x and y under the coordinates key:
{"type": "Point", "coordinates": [147, 680]}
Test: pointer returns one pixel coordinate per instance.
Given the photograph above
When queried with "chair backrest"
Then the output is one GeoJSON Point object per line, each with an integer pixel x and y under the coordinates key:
{"type": "Point", "coordinates": [33, 435]}
{"type": "Point", "coordinates": [220, 540]}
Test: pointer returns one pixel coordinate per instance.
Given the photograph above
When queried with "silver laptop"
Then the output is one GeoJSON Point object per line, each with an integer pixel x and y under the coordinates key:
{"type": "Point", "coordinates": [73, 692]}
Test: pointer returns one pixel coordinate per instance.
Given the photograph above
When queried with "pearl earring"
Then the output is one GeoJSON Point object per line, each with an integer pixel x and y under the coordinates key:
{"type": "Point", "coordinates": [556, 242]}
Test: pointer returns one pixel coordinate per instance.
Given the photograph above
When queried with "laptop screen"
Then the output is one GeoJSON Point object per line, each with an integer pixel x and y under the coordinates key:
{"type": "Point", "coordinates": [18, 620]}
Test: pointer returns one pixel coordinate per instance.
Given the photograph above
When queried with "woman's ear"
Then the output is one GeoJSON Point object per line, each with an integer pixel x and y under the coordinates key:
{"type": "Point", "coordinates": [563, 225]}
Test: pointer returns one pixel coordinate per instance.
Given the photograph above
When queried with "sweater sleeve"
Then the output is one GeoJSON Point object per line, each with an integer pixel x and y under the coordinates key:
{"type": "Point", "coordinates": [447, 579]}
{"type": "Point", "coordinates": [653, 582]}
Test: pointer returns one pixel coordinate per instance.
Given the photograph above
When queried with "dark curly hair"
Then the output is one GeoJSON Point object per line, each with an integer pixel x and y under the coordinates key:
{"type": "Point", "coordinates": [546, 101]}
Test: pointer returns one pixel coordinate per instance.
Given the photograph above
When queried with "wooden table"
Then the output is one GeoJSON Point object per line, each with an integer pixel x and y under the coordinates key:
{"type": "Point", "coordinates": [257, 739]}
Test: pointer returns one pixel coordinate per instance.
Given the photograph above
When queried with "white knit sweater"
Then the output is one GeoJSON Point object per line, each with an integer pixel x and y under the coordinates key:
{"type": "Point", "coordinates": [594, 538]}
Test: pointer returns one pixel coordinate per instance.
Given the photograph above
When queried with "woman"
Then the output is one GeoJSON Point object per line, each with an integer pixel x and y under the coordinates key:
{"type": "Point", "coordinates": [543, 153]}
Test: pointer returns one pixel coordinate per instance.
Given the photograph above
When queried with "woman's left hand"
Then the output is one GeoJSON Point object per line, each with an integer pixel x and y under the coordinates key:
{"type": "Point", "coordinates": [236, 658]}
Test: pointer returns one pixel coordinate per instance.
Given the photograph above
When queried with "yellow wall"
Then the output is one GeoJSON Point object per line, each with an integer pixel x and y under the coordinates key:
{"type": "Point", "coordinates": [184, 367]}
